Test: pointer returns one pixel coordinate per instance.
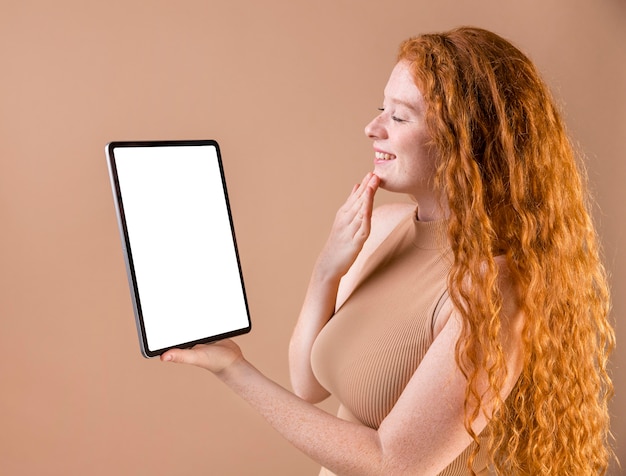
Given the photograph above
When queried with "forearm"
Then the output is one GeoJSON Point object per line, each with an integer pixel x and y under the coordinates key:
{"type": "Point", "coordinates": [317, 309]}
{"type": "Point", "coordinates": [347, 236]}
{"type": "Point", "coordinates": [345, 448]}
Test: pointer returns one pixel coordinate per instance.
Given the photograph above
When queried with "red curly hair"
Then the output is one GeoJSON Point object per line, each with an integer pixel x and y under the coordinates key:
{"type": "Point", "coordinates": [514, 188]}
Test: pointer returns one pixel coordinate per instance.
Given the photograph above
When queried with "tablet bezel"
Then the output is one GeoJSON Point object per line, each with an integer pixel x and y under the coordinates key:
{"type": "Point", "coordinates": [127, 248]}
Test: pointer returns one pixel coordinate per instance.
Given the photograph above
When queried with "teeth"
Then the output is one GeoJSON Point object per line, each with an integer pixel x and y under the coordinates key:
{"type": "Point", "coordinates": [384, 156]}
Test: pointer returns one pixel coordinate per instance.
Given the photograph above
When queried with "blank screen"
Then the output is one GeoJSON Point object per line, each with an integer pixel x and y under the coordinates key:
{"type": "Point", "coordinates": [181, 251]}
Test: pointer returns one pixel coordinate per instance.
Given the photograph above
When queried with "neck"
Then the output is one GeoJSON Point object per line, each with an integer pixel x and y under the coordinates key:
{"type": "Point", "coordinates": [432, 210]}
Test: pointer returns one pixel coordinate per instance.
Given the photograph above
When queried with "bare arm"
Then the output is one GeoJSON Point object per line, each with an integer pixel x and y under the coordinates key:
{"type": "Point", "coordinates": [328, 291]}
{"type": "Point", "coordinates": [348, 234]}
{"type": "Point", "coordinates": [422, 434]}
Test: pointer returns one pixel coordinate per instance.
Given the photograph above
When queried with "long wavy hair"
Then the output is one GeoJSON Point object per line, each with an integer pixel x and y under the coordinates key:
{"type": "Point", "coordinates": [515, 187]}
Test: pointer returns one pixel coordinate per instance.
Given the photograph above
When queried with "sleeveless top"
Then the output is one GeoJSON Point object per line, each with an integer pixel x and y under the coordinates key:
{"type": "Point", "coordinates": [370, 348]}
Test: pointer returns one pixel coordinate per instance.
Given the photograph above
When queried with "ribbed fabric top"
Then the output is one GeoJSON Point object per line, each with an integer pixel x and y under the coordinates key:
{"type": "Point", "coordinates": [371, 347]}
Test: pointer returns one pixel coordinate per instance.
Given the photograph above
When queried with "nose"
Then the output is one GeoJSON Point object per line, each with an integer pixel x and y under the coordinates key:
{"type": "Point", "coordinates": [375, 130]}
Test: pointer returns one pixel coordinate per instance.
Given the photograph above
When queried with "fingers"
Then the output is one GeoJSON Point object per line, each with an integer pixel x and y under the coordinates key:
{"type": "Point", "coordinates": [350, 228]}
{"type": "Point", "coordinates": [214, 357]}
{"type": "Point", "coordinates": [363, 191]}
{"type": "Point", "coordinates": [359, 204]}
{"type": "Point", "coordinates": [363, 197]}
{"type": "Point", "coordinates": [358, 211]}
{"type": "Point", "coordinates": [370, 181]}
{"type": "Point", "coordinates": [179, 356]}
{"type": "Point", "coordinates": [194, 356]}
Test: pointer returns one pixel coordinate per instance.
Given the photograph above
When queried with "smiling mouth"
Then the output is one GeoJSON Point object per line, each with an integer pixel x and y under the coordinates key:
{"type": "Point", "coordinates": [384, 156]}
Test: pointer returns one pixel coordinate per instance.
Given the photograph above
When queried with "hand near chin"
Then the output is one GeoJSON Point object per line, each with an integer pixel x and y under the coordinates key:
{"type": "Point", "coordinates": [350, 228]}
{"type": "Point", "coordinates": [214, 357]}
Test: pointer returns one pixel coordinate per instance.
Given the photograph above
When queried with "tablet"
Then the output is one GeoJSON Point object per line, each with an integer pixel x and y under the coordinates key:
{"type": "Point", "coordinates": [179, 243]}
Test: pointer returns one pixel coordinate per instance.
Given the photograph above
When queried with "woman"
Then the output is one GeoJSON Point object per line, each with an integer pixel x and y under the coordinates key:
{"type": "Point", "coordinates": [466, 331]}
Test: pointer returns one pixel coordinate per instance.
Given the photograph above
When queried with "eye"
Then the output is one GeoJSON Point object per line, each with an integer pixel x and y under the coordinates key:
{"type": "Point", "coordinates": [393, 118]}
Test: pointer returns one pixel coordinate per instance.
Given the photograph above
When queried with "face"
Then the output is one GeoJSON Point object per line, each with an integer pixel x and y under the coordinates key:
{"type": "Point", "coordinates": [403, 160]}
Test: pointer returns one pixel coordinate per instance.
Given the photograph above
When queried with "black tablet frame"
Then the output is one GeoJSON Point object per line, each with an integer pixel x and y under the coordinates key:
{"type": "Point", "coordinates": [127, 248]}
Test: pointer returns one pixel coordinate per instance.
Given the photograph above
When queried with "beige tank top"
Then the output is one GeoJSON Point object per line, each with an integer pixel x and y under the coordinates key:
{"type": "Point", "coordinates": [371, 347]}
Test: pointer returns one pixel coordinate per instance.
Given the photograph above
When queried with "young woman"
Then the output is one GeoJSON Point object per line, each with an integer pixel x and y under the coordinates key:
{"type": "Point", "coordinates": [469, 330]}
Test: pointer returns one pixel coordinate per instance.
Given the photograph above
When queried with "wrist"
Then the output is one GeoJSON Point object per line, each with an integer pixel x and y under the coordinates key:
{"type": "Point", "coordinates": [326, 272]}
{"type": "Point", "coordinates": [234, 371]}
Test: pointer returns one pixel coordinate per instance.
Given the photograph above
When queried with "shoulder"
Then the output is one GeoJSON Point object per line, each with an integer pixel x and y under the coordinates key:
{"type": "Point", "coordinates": [385, 218]}
{"type": "Point", "coordinates": [394, 211]}
{"type": "Point", "coordinates": [511, 316]}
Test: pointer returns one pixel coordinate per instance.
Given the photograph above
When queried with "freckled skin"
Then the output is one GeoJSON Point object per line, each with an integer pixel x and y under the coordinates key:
{"type": "Point", "coordinates": [400, 131]}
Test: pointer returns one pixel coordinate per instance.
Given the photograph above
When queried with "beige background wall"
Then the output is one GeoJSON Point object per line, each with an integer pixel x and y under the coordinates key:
{"type": "Point", "coordinates": [286, 87]}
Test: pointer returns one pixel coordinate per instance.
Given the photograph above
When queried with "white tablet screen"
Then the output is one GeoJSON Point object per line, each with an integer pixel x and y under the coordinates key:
{"type": "Point", "coordinates": [179, 243]}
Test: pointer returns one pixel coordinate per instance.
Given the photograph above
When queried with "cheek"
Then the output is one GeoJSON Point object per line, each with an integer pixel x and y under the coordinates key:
{"type": "Point", "coordinates": [421, 156]}
{"type": "Point", "coordinates": [427, 151]}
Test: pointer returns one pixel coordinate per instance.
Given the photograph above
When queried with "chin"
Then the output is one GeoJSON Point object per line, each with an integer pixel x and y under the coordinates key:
{"type": "Point", "coordinates": [384, 185]}
{"type": "Point", "coordinates": [391, 187]}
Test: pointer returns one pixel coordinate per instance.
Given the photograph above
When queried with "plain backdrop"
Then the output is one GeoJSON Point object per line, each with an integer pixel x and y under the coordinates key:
{"type": "Point", "coordinates": [286, 87]}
